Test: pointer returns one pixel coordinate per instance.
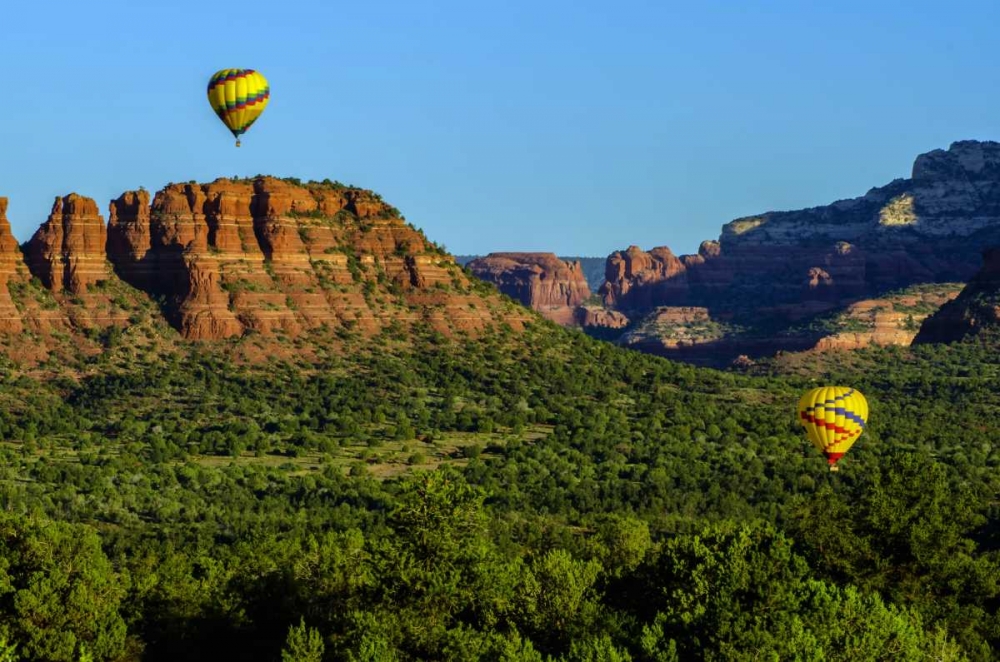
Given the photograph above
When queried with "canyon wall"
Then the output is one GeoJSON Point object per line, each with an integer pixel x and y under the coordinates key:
{"type": "Point", "coordinates": [538, 280]}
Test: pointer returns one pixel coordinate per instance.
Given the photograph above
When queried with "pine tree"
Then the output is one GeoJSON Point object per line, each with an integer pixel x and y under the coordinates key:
{"type": "Point", "coordinates": [303, 644]}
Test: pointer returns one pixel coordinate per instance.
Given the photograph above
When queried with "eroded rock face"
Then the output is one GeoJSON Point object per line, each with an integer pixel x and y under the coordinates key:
{"type": "Point", "coordinates": [743, 277]}
{"type": "Point", "coordinates": [883, 321]}
{"type": "Point", "coordinates": [538, 280]}
{"type": "Point", "coordinates": [68, 250]}
{"type": "Point", "coordinates": [272, 257]}
{"type": "Point", "coordinates": [129, 240]}
{"type": "Point", "coordinates": [929, 228]}
{"type": "Point", "coordinates": [954, 192]}
{"type": "Point", "coordinates": [266, 258]}
{"type": "Point", "coordinates": [10, 258]}
{"type": "Point", "coordinates": [974, 311]}
{"type": "Point", "coordinates": [592, 316]}
{"type": "Point", "coordinates": [637, 280]}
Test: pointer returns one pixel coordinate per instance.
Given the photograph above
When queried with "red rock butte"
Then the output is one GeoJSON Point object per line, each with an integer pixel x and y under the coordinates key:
{"type": "Point", "coordinates": [540, 281]}
{"type": "Point", "coordinates": [232, 257]}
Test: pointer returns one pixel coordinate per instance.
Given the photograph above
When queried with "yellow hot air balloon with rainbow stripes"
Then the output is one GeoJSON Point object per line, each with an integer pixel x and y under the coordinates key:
{"type": "Point", "coordinates": [834, 417]}
{"type": "Point", "coordinates": [238, 97]}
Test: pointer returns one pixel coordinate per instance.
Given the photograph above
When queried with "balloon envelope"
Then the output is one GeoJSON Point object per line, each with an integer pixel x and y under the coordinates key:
{"type": "Point", "coordinates": [833, 417]}
{"type": "Point", "coordinates": [238, 97]}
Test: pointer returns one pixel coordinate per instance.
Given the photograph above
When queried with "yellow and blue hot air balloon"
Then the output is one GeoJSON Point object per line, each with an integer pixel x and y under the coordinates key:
{"type": "Point", "coordinates": [238, 97]}
{"type": "Point", "coordinates": [834, 417]}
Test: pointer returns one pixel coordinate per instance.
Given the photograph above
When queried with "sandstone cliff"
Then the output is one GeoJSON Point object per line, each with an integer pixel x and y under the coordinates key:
{"type": "Point", "coordinates": [73, 288]}
{"type": "Point", "coordinates": [265, 257]}
{"type": "Point", "coordinates": [698, 335]}
{"type": "Point", "coordinates": [593, 267]}
{"type": "Point", "coordinates": [953, 193]}
{"type": "Point", "coordinates": [67, 253]}
{"type": "Point", "coordinates": [929, 228]}
{"type": "Point", "coordinates": [538, 280]}
{"type": "Point", "coordinates": [269, 256]}
{"type": "Point", "coordinates": [10, 260]}
{"type": "Point", "coordinates": [595, 316]}
{"type": "Point", "coordinates": [635, 279]}
{"type": "Point", "coordinates": [743, 278]}
{"type": "Point", "coordinates": [891, 320]}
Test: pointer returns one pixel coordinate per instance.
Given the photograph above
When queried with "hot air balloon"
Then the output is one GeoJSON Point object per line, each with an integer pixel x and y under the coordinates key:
{"type": "Point", "coordinates": [834, 417]}
{"type": "Point", "coordinates": [238, 97]}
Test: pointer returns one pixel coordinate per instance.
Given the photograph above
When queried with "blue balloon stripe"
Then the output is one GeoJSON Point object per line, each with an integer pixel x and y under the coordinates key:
{"type": "Point", "coordinates": [850, 415]}
{"type": "Point", "coordinates": [854, 417]}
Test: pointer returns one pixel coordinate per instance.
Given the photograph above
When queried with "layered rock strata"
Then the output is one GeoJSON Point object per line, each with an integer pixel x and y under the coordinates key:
{"type": "Point", "coordinates": [10, 259]}
{"type": "Point", "coordinates": [67, 253]}
{"type": "Point", "coordinates": [230, 258]}
{"type": "Point", "coordinates": [929, 228]}
{"type": "Point", "coordinates": [538, 280]}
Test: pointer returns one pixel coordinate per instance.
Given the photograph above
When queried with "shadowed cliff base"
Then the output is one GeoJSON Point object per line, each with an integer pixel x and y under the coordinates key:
{"type": "Point", "coordinates": [975, 312]}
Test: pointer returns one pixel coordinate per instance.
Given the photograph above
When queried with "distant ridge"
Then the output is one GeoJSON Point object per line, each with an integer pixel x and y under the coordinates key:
{"type": "Point", "coordinates": [779, 280]}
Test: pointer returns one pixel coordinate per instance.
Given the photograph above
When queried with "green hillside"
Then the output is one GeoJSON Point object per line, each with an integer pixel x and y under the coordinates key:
{"type": "Point", "coordinates": [522, 497]}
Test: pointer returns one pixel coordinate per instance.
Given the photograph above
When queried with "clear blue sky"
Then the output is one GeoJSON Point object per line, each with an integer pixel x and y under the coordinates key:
{"type": "Point", "coordinates": [567, 125]}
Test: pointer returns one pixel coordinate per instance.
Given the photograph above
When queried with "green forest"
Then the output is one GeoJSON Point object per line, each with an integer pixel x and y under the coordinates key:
{"type": "Point", "coordinates": [523, 496]}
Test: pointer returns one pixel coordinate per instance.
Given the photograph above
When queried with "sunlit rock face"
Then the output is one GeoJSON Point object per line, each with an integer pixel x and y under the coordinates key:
{"type": "Point", "coordinates": [540, 281]}
{"type": "Point", "coordinates": [67, 251]}
{"type": "Point", "coordinates": [269, 258]}
{"type": "Point", "coordinates": [10, 259]}
{"type": "Point", "coordinates": [954, 192]}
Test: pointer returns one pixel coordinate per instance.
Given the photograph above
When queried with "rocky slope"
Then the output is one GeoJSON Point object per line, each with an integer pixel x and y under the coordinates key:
{"type": "Point", "coordinates": [894, 319]}
{"type": "Point", "coordinates": [697, 335]}
{"type": "Point", "coordinates": [538, 280]}
{"type": "Point", "coordinates": [974, 311]}
{"type": "Point", "coordinates": [267, 258]}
